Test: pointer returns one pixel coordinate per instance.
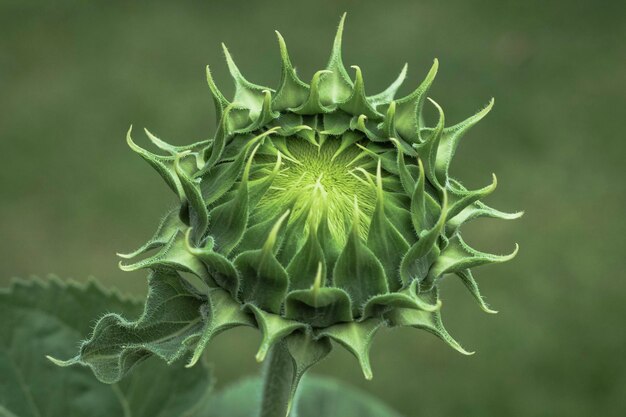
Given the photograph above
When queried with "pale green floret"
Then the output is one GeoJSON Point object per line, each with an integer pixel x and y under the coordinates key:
{"type": "Point", "coordinates": [316, 213]}
{"type": "Point", "coordinates": [318, 178]}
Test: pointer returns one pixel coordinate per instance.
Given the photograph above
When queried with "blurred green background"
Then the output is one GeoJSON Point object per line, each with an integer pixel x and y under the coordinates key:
{"type": "Point", "coordinates": [74, 75]}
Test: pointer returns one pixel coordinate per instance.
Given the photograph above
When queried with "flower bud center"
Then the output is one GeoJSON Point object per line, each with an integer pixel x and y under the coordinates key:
{"type": "Point", "coordinates": [321, 181]}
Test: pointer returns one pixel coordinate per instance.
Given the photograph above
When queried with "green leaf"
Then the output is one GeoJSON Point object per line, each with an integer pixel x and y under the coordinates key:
{"type": "Point", "coordinates": [305, 352]}
{"type": "Point", "coordinates": [470, 283]}
{"type": "Point", "coordinates": [357, 270]}
{"type": "Point", "coordinates": [450, 140]}
{"type": "Point", "coordinates": [173, 255]}
{"type": "Point", "coordinates": [292, 91]}
{"type": "Point", "coordinates": [427, 150]}
{"type": "Point", "coordinates": [462, 198]}
{"type": "Point", "coordinates": [172, 314]}
{"type": "Point", "coordinates": [417, 261]}
{"type": "Point", "coordinates": [409, 108]}
{"type": "Point", "coordinates": [336, 123]}
{"type": "Point", "coordinates": [229, 219]}
{"type": "Point", "coordinates": [385, 241]}
{"type": "Point", "coordinates": [273, 327]}
{"type": "Point", "coordinates": [319, 306]}
{"type": "Point", "coordinates": [474, 210]}
{"type": "Point", "coordinates": [161, 390]}
{"type": "Point", "coordinates": [316, 397]}
{"type": "Point", "coordinates": [479, 210]}
{"type": "Point", "coordinates": [386, 96]}
{"type": "Point", "coordinates": [198, 213]}
{"type": "Point", "coordinates": [357, 103]}
{"type": "Point", "coordinates": [265, 116]}
{"type": "Point", "coordinates": [223, 134]}
{"type": "Point", "coordinates": [256, 235]}
{"type": "Point", "coordinates": [221, 313]}
{"type": "Point", "coordinates": [247, 94]}
{"type": "Point", "coordinates": [163, 165]}
{"type": "Point", "coordinates": [337, 86]}
{"type": "Point", "coordinates": [258, 188]}
{"type": "Point", "coordinates": [303, 267]}
{"type": "Point", "coordinates": [357, 338]}
{"type": "Point", "coordinates": [458, 256]}
{"type": "Point", "coordinates": [196, 149]}
{"type": "Point", "coordinates": [219, 180]}
{"type": "Point", "coordinates": [168, 227]}
{"type": "Point", "coordinates": [424, 320]}
{"type": "Point", "coordinates": [220, 268]}
{"type": "Point", "coordinates": [313, 104]}
{"type": "Point", "coordinates": [406, 179]}
{"type": "Point", "coordinates": [407, 298]}
{"type": "Point", "coordinates": [55, 314]}
{"type": "Point", "coordinates": [264, 281]}
{"type": "Point", "coordinates": [219, 100]}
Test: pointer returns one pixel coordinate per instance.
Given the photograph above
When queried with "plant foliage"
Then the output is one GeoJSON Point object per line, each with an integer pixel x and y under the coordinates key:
{"type": "Point", "coordinates": [317, 212]}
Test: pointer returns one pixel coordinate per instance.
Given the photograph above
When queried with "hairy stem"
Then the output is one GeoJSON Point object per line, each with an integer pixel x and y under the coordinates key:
{"type": "Point", "coordinates": [278, 380]}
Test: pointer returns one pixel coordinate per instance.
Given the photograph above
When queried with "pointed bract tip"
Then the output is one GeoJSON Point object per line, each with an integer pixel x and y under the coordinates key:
{"type": "Point", "coordinates": [178, 157]}
{"type": "Point", "coordinates": [338, 35]}
{"type": "Point", "coordinates": [262, 353]}
{"type": "Point", "coordinates": [488, 310]}
{"type": "Point", "coordinates": [232, 67]}
{"type": "Point", "coordinates": [284, 216]}
{"type": "Point", "coordinates": [273, 235]}
{"type": "Point", "coordinates": [59, 362]}
{"type": "Point", "coordinates": [123, 267]}
{"type": "Point", "coordinates": [318, 276]}
{"type": "Point", "coordinates": [435, 104]}
{"type": "Point", "coordinates": [129, 138]}
{"type": "Point", "coordinates": [432, 72]}
{"type": "Point", "coordinates": [366, 367]}
{"type": "Point", "coordinates": [188, 246]}
{"type": "Point", "coordinates": [195, 358]}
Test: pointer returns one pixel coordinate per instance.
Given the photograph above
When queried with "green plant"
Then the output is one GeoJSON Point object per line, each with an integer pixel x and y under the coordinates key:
{"type": "Point", "coordinates": [316, 214]}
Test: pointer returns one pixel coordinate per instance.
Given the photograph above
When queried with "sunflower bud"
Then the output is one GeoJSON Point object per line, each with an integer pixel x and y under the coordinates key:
{"type": "Point", "coordinates": [316, 213]}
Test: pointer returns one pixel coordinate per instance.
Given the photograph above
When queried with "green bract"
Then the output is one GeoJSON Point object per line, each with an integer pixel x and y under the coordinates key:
{"type": "Point", "coordinates": [316, 213]}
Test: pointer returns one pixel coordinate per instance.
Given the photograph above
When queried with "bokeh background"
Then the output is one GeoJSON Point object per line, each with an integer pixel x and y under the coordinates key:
{"type": "Point", "coordinates": [74, 75]}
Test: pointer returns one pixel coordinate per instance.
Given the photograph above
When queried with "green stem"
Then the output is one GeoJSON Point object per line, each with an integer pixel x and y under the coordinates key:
{"type": "Point", "coordinates": [278, 380]}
